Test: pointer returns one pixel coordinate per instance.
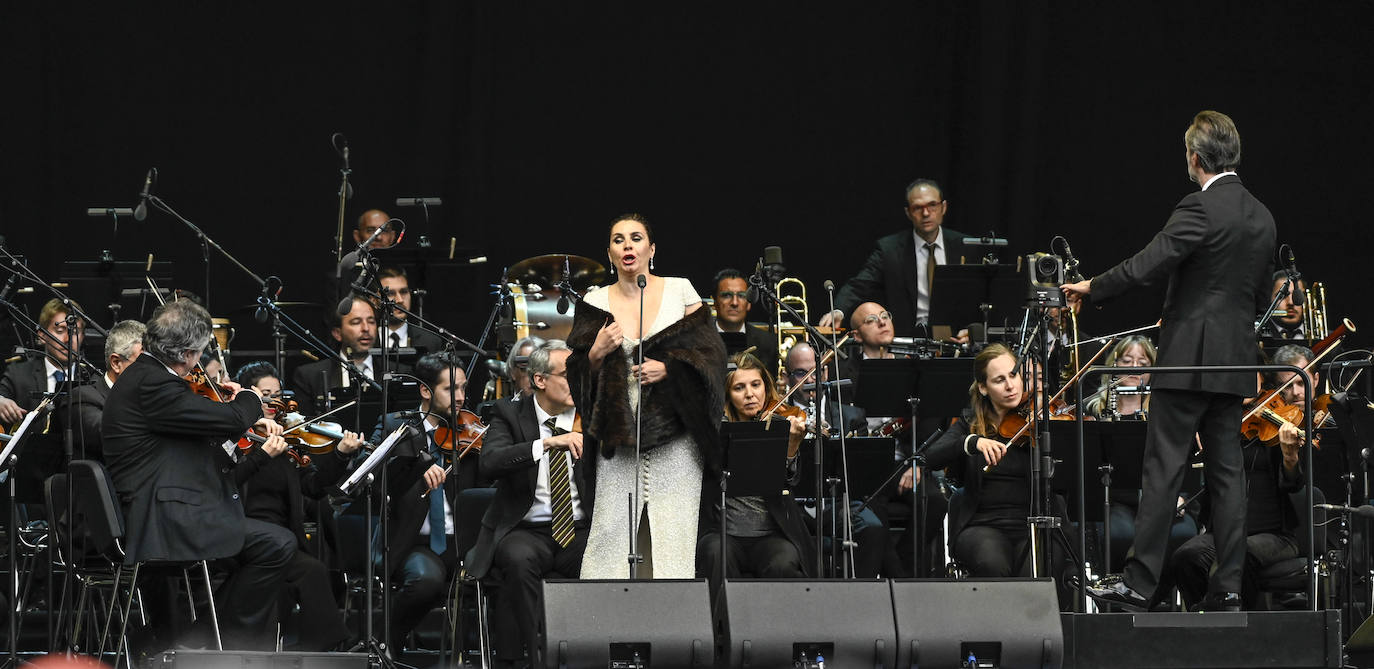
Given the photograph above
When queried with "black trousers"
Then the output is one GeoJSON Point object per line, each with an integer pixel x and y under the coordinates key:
{"type": "Point", "coordinates": [522, 560]}
{"type": "Point", "coordinates": [322, 622]}
{"type": "Point", "coordinates": [249, 609]}
{"type": "Point", "coordinates": [989, 552]}
{"type": "Point", "coordinates": [1175, 416]}
{"type": "Point", "coordinates": [1193, 561]}
{"type": "Point", "coordinates": [770, 556]}
{"type": "Point", "coordinates": [422, 582]}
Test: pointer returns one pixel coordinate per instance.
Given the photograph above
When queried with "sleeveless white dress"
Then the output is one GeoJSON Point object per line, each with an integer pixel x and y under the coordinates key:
{"type": "Point", "coordinates": [669, 477]}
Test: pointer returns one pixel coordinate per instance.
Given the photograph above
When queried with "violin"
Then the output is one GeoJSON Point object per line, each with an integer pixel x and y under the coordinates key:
{"type": "Point", "coordinates": [467, 433]}
{"type": "Point", "coordinates": [1263, 424]}
{"type": "Point", "coordinates": [313, 436]}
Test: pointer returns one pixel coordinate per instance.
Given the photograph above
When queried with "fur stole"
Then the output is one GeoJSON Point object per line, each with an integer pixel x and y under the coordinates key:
{"type": "Point", "coordinates": [691, 399]}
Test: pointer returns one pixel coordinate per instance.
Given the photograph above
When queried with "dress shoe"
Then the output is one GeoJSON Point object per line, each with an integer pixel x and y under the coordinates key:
{"type": "Point", "coordinates": [1112, 589]}
{"type": "Point", "coordinates": [1220, 601]}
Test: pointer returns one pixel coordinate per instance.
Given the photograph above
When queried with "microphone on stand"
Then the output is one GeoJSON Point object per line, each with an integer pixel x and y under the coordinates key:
{"type": "Point", "coordinates": [271, 288]}
{"type": "Point", "coordinates": [755, 280]}
{"type": "Point", "coordinates": [1070, 262]}
{"type": "Point", "coordinates": [1361, 511]}
{"type": "Point", "coordinates": [141, 211]}
{"type": "Point", "coordinates": [563, 289]}
{"type": "Point", "coordinates": [504, 295]}
{"type": "Point", "coordinates": [1290, 265]}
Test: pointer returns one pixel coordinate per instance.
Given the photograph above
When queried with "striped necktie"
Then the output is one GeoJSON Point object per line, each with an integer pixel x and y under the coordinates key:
{"type": "Point", "coordinates": [560, 490]}
{"type": "Point", "coordinates": [930, 270]}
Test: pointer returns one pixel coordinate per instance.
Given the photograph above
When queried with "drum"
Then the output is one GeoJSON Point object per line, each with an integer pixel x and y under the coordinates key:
{"type": "Point", "coordinates": [224, 333]}
{"type": "Point", "coordinates": [536, 313]}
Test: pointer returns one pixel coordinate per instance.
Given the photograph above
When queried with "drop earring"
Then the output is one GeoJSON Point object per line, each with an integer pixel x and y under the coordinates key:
{"type": "Point", "coordinates": [651, 263]}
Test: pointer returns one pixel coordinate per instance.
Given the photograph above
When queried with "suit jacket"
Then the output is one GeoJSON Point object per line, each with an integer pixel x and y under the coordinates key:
{"type": "Point", "coordinates": [89, 403]}
{"type": "Point", "coordinates": [888, 277]}
{"type": "Point", "coordinates": [1217, 250]}
{"type": "Point", "coordinates": [24, 378]}
{"type": "Point", "coordinates": [162, 446]}
{"type": "Point", "coordinates": [405, 484]}
{"type": "Point", "coordinates": [506, 458]}
{"type": "Point", "coordinates": [764, 342]}
{"type": "Point", "coordinates": [426, 341]}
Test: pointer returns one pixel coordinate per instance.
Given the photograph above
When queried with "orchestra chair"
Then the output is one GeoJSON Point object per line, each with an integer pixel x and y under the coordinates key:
{"type": "Point", "coordinates": [89, 563]}
{"type": "Point", "coordinates": [1287, 580]}
{"type": "Point", "coordinates": [470, 507]}
{"type": "Point", "coordinates": [99, 510]}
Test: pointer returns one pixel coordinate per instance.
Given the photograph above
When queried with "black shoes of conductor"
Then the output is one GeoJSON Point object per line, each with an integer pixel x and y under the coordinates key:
{"type": "Point", "coordinates": [1112, 589]}
{"type": "Point", "coordinates": [1220, 601]}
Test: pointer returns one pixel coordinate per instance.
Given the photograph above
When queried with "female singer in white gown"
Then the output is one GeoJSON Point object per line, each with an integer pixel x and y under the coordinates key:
{"type": "Point", "coordinates": [684, 365]}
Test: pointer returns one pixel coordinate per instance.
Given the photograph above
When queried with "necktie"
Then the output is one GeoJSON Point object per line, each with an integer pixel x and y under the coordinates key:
{"type": "Point", "coordinates": [59, 376]}
{"type": "Point", "coordinates": [395, 340]}
{"type": "Point", "coordinates": [437, 540]}
{"type": "Point", "coordinates": [560, 491]}
{"type": "Point", "coordinates": [930, 270]}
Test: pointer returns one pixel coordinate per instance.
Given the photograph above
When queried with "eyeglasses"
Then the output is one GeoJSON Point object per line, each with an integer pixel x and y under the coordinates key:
{"type": "Point", "coordinates": [739, 295]}
{"type": "Point", "coordinates": [931, 206]}
{"type": "Point", "coordinates": [563, 374]}
{"type": "Point", "coordinates": [798, 373]}
{"type": "Point", "coordinates": [880, 316]}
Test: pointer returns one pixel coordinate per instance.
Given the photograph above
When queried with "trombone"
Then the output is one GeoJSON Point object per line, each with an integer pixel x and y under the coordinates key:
{"type": "Point", "coordinates": [789, 333]}
{"type": "Point", "coordinates": [1314, 312]}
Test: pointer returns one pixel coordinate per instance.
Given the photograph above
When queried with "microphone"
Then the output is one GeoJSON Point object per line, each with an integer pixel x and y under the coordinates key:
{"type": "Point", "coordinates": [1070, 263]}
{"type": "Point", "coordinates": [1361, 511]}
{"type": "Point", "coordinates": [498, 368]}
{"type": "Point", "coordinates": [419, 201]}
{"type": "Point", "coordinates": [345, 305]}
{"type": "Point", "coordinates": [755, 280]}
{"type": "Point", "coordinates": [9, 285]}
{"type": "Point", "coordinates": [829, 286]}
{"type": "Point", "coordinates": [772, 262]}
{"type": "Point", "coordinates": [1290, 265]}
{"type": "Point", "coordinates": [141, 211]}
{"type": "Point", "coordinates": [563, 289]}
{"type": "Point", "coordinates": [507, 301]}
{"type": "Point", "coordinates": [270, 289]}
{"type": "Point", "coordinates": [641, 281]}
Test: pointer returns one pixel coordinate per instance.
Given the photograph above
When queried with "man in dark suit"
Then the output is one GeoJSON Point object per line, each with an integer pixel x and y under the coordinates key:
{"type": "Point", "coordinates": [22, 386]}
{"type": "Point", "coordinates": [1217, 251]}
{"type": "Point", "coordinates": [400, 333]}
{"type": "Point", "coordinates": [732, 313]}
{"type": "Point", "coordinates": [420, 542]}
{"type": "Point", "coordinates": [356, 333]}
{"type": "Point", "coordinates": [123, 345]}
{"type": "Point", "coordinates": [899, 270]}
{"type": "Point", "coordinates": [165, 448]}
{"type": "Point", "coordinates": [537, 523]}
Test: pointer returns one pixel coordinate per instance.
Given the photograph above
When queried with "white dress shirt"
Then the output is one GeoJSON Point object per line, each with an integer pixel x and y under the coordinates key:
{"type": "Point", "coordinates": [1215, 177]}
{"type": "Point", "coordinates": [923, 291]}
{"type": "Point", "coordinates": [448, 509]}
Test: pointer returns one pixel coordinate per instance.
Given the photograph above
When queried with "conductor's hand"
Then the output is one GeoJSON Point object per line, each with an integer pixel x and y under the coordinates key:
{"type": "Point", "coordinates": [434, 477]}
{"type": "Point", "coordinates": [568, 441]}
{"type": "Point", "coordinates": [608, 340]}
{"type": "Point", "coordinates": [992, 450]}
{"type": "Point", "coordinates": [268, 427]}
{"type": "Point", "coordinates": [274, 446]}
{"type": "Point", "coordinates": [1074, 293]}
{"type": "Point", "coordinates": [831, 320]}
{"type": "Point", "coordinates": [10, 412]}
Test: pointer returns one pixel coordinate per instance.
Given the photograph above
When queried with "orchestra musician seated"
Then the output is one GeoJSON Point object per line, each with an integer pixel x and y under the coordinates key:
{"type": "Point", "coordinates": [355, 332]}
{"type": "Point", "coordinates": [732, 305]}
{"type": "Point", "coordinates": [1126, 397]}
{"type": "Point", "coordinates": [987, 517]}
{"type": "Point", "coordinates": [21, 389]}
{"type": "Point", "coordinates": [766, 535]}
{"type": "Point", "coordinates": [420, 542]}
{"type": "Point", "coordinates": [400, 333]}
{"type": "Point", "coordinates": [537, 523]}
{"type": "Point", "coordinates": [123, 344]}
{"type": "Point", "coordinates": [1294, 388]}
{"type": "Point", "coordinates": [167, 453]}
{"type": "Point", "coordinates": [1290, 324]}
{"type": "Point", "coordinates": [277, 490]}
{"type": "Point", "coordinates": [517, 364]}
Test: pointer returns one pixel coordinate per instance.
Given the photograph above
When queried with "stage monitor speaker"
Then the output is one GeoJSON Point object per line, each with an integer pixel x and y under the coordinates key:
{"type": "Point", "coordinates": [787, 623]}
{"type": "Point", "coordinates": [1218, 640]}
{"type": "Point", "coordinates": [978, 623]}
{"type": "Point", "coordinates": [233, 659]}
{"type": "Point", "coordinates": [616, 623]}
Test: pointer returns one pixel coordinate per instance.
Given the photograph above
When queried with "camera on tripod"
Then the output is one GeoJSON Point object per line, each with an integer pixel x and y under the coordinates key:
{"type": "Point", "coordinates": [1044, 275]}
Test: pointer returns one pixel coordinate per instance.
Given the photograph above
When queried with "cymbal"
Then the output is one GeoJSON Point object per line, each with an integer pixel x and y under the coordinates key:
{"type": "Point", "coordinates": [547, 270]}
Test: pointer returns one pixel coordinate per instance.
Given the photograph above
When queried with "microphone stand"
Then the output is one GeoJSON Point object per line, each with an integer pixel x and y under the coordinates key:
{"type": "Point", "coordinates": [633, 556]}
{"type": "Point", "coordinates": [503, 298]}
{"type": "Point", "coordinates": [1274, 304]}
{"type": "Point", "coordinates": [207, 243]}
{"type": "Point", "coordinates": [344, 186]}
{"type": "Point", "coordinates": [848, 532]}
{"type": "Point", "coordinates": [818, 337]}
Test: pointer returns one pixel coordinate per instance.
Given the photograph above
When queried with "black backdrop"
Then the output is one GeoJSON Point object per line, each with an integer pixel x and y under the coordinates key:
{"type": "Point", "coordinates": [730, 125]}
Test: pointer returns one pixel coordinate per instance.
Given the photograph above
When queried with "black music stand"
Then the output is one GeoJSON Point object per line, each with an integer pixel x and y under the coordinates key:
{"type": "Point", "coordinates": [975, 294]}
{"type": "Point", "coordinates": [9, 456]}
{"type": "Point", "coordinates": [119, 285]}
{"type": "Point", "coordinates": [753, 463]}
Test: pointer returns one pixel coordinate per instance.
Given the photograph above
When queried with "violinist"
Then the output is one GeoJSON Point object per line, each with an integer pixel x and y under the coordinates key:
{"type": "Point", "coordinates": [1273, 481]}
{"type": "Point", "coordinates": [421, 529]}
{"type": "Point", "coordinates": [767, 536]}
{"type": "Point", "coordinates": [276, 490]}
{"type": "Point", "coordinates": [163, 448]}
{"type": "Point", "coordinates": [1295, 390]}
{"type": "Point", "coordinates": [536, 526]}
{"type": "Point", "coordinates": [988, 534]}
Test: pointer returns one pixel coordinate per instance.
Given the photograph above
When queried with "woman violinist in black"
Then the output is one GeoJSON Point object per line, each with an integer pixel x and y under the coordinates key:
{"type": "Point", "coordinates": [987, 517]}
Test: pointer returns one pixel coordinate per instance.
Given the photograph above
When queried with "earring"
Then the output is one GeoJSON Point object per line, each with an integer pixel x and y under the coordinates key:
{"type": "Point", "coordinates": [651, 263]}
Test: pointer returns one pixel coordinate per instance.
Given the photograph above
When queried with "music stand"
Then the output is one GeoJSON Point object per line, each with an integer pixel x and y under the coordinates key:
{"type": "Point", "coordinates": [116, 284]}
{"type": "Point", "coordinates": [964, 291]}
{"type": "Point", "coordinates": [753, 463]}
{"type": "Point", "coordinates": [8, 456]}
